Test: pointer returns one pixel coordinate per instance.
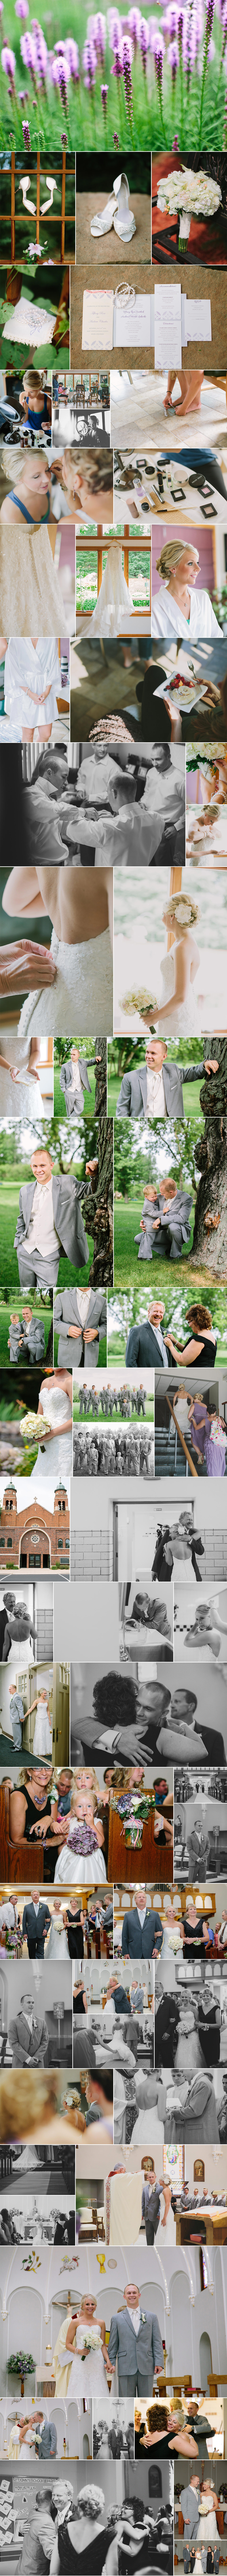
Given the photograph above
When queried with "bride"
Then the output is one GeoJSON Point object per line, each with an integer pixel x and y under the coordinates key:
{"type": "Point", "coordinates": [165, 2232]}
{"type": "Point", "coordinates": [78, 965]}
{"type": "Point", "coordinates": [178, 1015]}
{"type": "Point", "coordinates": [175, 610]}
{"type": "Point", "coordinates": [89, 2367]}
{"type": "Point", "coordinates": [55, 1402]}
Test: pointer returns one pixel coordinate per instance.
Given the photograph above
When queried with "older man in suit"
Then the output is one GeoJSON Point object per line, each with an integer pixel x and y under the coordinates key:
{"type": "Point", "coordinates": [151, 2205]}
{"type": "Point", "coordinates": [135, 2339]}
{"type": "Point", "coordinates": [142, 1933]}
{"type": "Point", "coordinates": [166, 1214]}
{"type": "Point", "coordinates": [145, 1346]}
{"type": "Point", "coordinates": [198, 1848]}
{"type": "Point", "coordinates": [36, 1922]}
{"type": "Point", "coordinates": [74, 1081]}
{"type": "Point", "coordinates": [27, 2036]}
{"type": "Point", "coordinates": [82, 1313]}
{"type": "Point", "coordinates": [154, 1089]}
{"type": "Point", "coordinates": [49, 1221]}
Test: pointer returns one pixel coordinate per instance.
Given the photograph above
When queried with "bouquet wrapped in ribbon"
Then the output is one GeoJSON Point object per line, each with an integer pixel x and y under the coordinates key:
{"type": "Point", "coordinates": [34, 1427]}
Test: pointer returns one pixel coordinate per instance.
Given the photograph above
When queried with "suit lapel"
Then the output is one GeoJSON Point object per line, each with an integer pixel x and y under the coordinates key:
{"type": "Point", "coordinates": [142, 1077]}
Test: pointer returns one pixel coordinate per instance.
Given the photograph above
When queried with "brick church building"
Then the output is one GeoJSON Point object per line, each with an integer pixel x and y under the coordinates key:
{"type": "Point", "coordinates": [34, 1538]}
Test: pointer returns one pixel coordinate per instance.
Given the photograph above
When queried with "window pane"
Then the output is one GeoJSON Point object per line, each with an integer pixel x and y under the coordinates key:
{"type": "Point", "coordinates": [86, 582]}
{"type": "Point", "coordinates": [139, 578]}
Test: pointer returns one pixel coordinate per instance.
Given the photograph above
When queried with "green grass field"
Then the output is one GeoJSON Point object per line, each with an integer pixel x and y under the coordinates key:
{"type": "Point", "coordinates": [127, 1267]}
{"type": "Point", "coordinates": [59, 1102]}
{"type": "Point", "coordinates": [4, 1327]}
{"type": "Point", "coordinates": [116, 1417]}
{"type": "Point", "coordinates": [191, 1102]}
{"type": "Point", "coordinates": [67, 1276]}
{"type": "Point", "coordinates": [102, 1357]}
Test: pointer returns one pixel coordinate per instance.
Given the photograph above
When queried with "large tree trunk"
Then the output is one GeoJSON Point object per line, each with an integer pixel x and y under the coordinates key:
{"type": "Point", "coordinates": [210, 1230]}
{"type": "Point", "coordinates": [102, 1208]}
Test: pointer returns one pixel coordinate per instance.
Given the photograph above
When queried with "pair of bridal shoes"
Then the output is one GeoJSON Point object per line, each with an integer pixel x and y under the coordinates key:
{"type": "Point", "coordinates": [116, 213]}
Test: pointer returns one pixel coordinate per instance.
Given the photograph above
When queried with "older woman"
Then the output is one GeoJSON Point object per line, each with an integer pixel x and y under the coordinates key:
{"type": "Point", "coordinates": [175, 611]}
{"type": "Point", "coordinates": [82, 2534]}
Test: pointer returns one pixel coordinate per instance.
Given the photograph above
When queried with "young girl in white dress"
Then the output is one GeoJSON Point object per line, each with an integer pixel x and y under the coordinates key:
{"type": "Point", "coordinates": [81, 1861]}
{"type": "Point", "coordinates": [55, 1402]}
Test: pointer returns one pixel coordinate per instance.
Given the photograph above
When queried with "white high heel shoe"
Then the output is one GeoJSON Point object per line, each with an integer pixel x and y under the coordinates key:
{"type": "Point", "coordinates": [116, 214]}
{"type": "Point", "coordinates": [103, 223]}
{"type": "Point", "coordinates": [48, 201]}
{"type": "Point", "coordinates": [123, 222]}
{"type": "Point", "coordinates": [24, 184]}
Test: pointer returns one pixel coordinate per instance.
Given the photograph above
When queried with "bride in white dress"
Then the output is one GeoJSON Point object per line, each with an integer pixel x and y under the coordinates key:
{"type": "Point", "coordinates": [80, 976]}
{"type": "Point", "coordinates": [42, 1742]}
{"type": "Point", "coordinates": [89, 2375]}
{"type": "Point", "coordinates": [57, 1945]}
{"type": "Point", "coordinates": [55, 1402]}
{"type": "Point", "coordinates": [165, 2232]}
{"type": "Point", "coordinates": [179, 1015]}
{"type": "Point", "coordinates": [21, 1096]}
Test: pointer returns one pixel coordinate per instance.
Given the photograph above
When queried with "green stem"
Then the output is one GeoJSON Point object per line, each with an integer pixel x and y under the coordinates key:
{"type": "Point", "coordinates": [203, 84]}
{"type": "Point", "coordinates": [161, 114]}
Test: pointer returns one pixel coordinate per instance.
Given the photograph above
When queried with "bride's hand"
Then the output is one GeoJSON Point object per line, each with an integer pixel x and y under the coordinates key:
{"type": "Point", "coordinates": [25, 964]}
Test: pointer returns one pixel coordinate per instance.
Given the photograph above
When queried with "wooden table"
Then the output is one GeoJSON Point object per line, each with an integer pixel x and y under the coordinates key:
{"type": "Point", "coordinates": [109, 248]}
{"type": "Point", "coordinates": [215, 2227]}
{"type": "Point", "coordinates": [195, 282]}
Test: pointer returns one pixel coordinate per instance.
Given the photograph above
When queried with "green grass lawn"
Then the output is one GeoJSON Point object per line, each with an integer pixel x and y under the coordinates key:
{"type": "Point", "coordinates": [102, 1357]}
{"type": "Point", "coordinates": [67, 1276]}
{"type": "Point", "coordinates": [127, 1267]}
{"type": "Point", "coordinates": [191, 1101]}
{"type": "Point", "coordinates": [4, 1328]}
{"type": "Point", "coordinates": [59, 1102]}
{"type": "Point", "coordinates": [116, 1417]}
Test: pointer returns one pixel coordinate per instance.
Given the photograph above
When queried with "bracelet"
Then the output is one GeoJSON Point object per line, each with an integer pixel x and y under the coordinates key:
{"type": "Point", "coordinates": [124, 294]}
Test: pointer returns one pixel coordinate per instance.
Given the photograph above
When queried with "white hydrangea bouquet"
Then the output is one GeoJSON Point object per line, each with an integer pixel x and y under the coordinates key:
{"type": "Point", "coordinates": [186, 193]}
{"type": "Point", "coordinates": [34, 1427]}
{"type": "Point", "coordinates": [139, 1001]}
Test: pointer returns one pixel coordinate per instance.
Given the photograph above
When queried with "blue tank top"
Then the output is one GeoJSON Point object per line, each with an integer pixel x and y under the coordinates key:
{"type": "Point", "coordinates": [35, 417]}
{"type": "Point", "coordinates": [28, 514]}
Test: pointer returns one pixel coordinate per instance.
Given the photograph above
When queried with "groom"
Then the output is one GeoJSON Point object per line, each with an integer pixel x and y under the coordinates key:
{"type": "Point", "coordinates": [154, 1090]}
{"type": "Point", "coordinates": [49, 1221]}
{"type": "Point", "coordinates": [145, 1347]}
{"type": "Point", "coordinates": [135, 2337]}
{"type": "Point", "coordinates": [167, 1215]}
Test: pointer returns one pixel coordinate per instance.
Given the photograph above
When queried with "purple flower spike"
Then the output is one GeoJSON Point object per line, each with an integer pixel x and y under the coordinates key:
{"type": "Point", "coordinates": [104, 95]}
{"type": "Point", "coordinates": [26, 134]}
{"type": "Point", "coordinates": [21, 8]}
{"type": "Point", "coordinates": [59, 71]}
{"type": "Point", "coordinates": [115, 30]}
{"type": "Point", "coordinates": [144, 45]}
{"type": "Point", "coordinates": [134, 24]}
{"type": "Point", "coordinates": [41, 54]}
{"type": "Point", "coordinates": [28, 54]}
{"type": "Point", "coordinates": [117, 67]}
{"type": "Point", "coordinates": [71, 49]}
{"type": "Point", "coordinates": [116, 142]}
{"type": "Point", "coordinates": [175, 143]}
{"type": "Point", "coordinates": [64, 140]}
{"type": "Point", "coordinates": [89, 64]}
{"type": "Point", "coordinates": [127, 57]}
{"type": "Point", "coordinates": [8, 63]}
{"type": "Point", "coordinates": [173, 59]}
{"type": "Point", "coordinates": [96, 27]}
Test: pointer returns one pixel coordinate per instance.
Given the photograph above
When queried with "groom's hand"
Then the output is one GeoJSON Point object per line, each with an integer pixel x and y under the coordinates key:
{"type": "Point", "coordinates": [210, 1064]}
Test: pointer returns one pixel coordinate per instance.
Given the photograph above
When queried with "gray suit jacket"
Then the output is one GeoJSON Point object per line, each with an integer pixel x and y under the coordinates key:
{"type": "Point", "coordinates": [47, 2440]}
{"type": "Point", "coordinates": [66, 1196]}
{"type": "Point", "coordinates": [135, 2352]}
{"type": "Point", "coordinates": [151, 2206]}
{"type": "Point", "coordinates": [73, 1109]}
{"type": "Point", "coordinates": [177, 1219]}
{"type": "Point", "coordinates": [34, 1340]}
{"type": "Point", "coordinates": [190, 2511]}
{"type": "Point", "coordinates": [66, 1311]}
{"type": "Point", "coordinates": [132, 1101]}
{"type": "Point", "coordinates": [20, 2036]}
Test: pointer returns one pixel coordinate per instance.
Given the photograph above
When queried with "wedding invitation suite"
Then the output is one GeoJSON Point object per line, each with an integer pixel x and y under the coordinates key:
{"type": "Point", "coordinates": [97, 325]}
{"type": "Point", "coordinates": [164, 322]}
{"type": "Point", "coordinates": [167, 326]}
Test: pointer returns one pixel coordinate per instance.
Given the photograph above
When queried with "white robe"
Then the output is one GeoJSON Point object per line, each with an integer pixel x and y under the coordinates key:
{"type": "Point", "coordinates": [29, 666]}
{"type": "Point", "coordinates": [167, 616]}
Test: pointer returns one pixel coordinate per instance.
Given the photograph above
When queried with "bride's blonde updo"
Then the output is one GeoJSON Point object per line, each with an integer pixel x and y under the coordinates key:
{"type": "Point", "coordinates": [171, 556]}
{"type": "Point", "coordinates": [183, 908]}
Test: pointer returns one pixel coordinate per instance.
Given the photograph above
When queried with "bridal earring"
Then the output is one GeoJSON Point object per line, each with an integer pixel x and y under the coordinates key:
{"type": "Point", "coordinates": [24, 184]}
{"type": "Point", "coordinates": [48, 201]}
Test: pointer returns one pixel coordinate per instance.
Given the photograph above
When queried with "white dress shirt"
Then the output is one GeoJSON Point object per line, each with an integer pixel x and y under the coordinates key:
{"type": "Point", "coordinates": [36, 1903]}
{"type": "Point", "coordinates": [42, 1235]}
{"type": "Point", "coordinates": [141, 1911]}
{"type": "Point", "coordinates": [83, 1302]}
{"type": "Point", "coordinates": [28, 2016]}
{"type": "Point", "coordinates": [135, 2313]}
{"type": "Point", "coordinates": [156, 1104]}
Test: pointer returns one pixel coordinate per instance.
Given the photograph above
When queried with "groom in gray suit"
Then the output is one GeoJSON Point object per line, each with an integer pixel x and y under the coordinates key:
{"type": "Point", "coordinates": [74, 1081]}
{"type": "Point", "coordinates": [34, 1336]}
{"type": "Point", "coordinates": [135, 2337]}
{"type": "Point", "coordinates": [50, 1221]}
{"type": "Point", "coordinates": [166, 1213]}
{"type": "Point", "coordinates": [154, 1089]}
{"type": "Point", "coordinates": [82, 1314]}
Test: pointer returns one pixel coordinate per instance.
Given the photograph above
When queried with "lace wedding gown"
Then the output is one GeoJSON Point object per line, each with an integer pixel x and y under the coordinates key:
{"type": "Point", "coordinates": [42, 1740]}
{"type": "Point", "coordinates": [165, 2235]}
{"type": "Point", "coordinates": [31, 590]}
{"type": "Point", "coordinates": [113, 607]}
{"type": "Point", "coordinates": [56, 1459]}
{"type": "Point", "coordinates": [24, 1098]}
{"type": "Point", "coordinates": [82, 995]}
{"type": "Point", "coordinates": [184, 1018]}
